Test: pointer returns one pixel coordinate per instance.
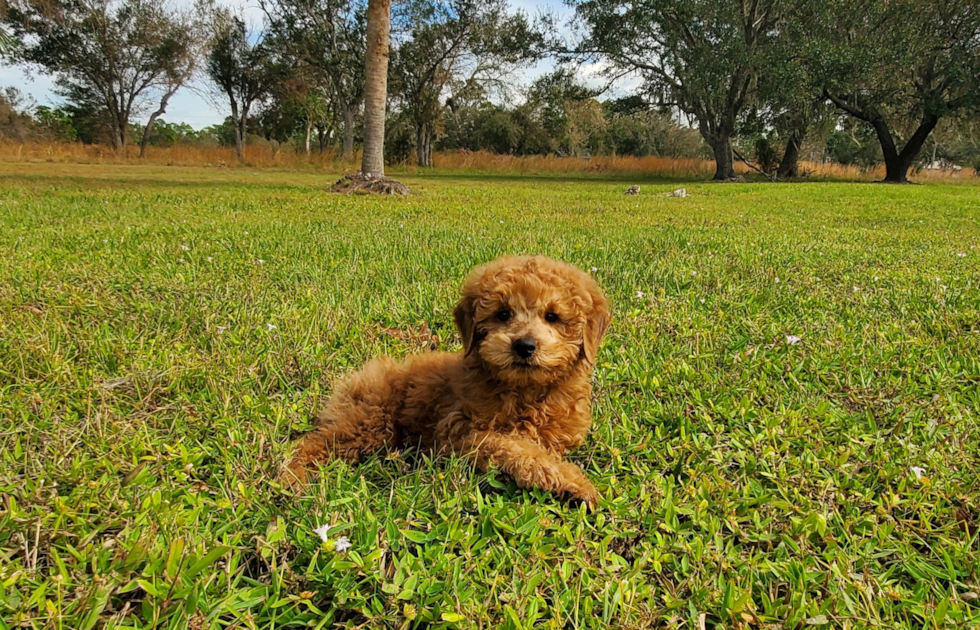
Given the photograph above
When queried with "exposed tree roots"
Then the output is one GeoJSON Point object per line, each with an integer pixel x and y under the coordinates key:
{"type": "Point", "coordinates": [362, 184]}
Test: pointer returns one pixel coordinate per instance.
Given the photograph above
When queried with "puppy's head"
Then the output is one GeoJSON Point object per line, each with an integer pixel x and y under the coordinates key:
{"type": "Point", "coordinates": [531, 320]}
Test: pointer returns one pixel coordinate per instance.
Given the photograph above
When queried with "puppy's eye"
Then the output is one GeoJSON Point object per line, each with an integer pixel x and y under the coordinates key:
{"type": "Point", "coordinates": [502, 316]}
{"type": "Point", "coordinates": [551, 318]}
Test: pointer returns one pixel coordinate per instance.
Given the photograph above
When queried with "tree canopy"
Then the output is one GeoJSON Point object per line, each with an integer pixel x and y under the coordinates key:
{"type": "Point", "coordinates": [115, 55]}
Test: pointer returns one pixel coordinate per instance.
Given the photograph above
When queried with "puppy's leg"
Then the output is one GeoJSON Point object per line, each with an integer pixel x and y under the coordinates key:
{"type": "Point", "coordinates": [356, 422]}
{"type": "Point", "coordinates": [530, 465]}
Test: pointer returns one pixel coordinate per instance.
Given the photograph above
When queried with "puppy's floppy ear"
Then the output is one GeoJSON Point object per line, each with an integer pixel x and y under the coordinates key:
{"type": "Point", "coordinates": [465, 316]}
{"type": "Point", "coordinates": [596, 323]}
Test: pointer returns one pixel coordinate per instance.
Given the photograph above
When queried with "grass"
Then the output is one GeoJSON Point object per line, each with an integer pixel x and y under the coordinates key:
{"type": "Point", "coordinates": [164, 332]}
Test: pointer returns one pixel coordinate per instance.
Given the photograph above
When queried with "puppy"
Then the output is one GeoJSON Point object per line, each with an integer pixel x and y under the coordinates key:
{"type": "Point", "coordinates": [517, 397]}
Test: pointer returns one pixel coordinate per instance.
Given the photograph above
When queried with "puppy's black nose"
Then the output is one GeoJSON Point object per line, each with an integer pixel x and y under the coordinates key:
{"type": "Point", "coordinates": [524, 347]}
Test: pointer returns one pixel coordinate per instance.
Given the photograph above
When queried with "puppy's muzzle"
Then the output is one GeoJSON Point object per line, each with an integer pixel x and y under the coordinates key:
{"type": "Point", "coordinates": [524, 347]}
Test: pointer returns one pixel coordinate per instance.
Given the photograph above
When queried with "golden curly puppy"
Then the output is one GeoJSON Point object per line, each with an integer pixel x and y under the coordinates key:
{"type": "Point", "coordinates": [517, 396]}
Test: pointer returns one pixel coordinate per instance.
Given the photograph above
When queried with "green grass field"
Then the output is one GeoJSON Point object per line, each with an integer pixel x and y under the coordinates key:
{"type": "Point", "coordinates": [165, 332]}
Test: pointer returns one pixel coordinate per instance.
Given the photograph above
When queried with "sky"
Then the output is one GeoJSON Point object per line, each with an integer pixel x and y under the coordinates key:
{"type": "Point", "coordinates": [192, 106]}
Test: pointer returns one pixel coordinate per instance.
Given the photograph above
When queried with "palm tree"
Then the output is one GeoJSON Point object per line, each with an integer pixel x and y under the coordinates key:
{"type": "Point", "coordinates": [372, 176]}
{"type": "Point", "coordinates": [7, 42]}
{"type": "Point", "coordinates": [376, 86]}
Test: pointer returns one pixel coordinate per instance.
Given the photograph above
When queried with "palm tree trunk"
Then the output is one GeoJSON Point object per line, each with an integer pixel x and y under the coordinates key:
{"type": "Point", "coordinates": [376, 86]}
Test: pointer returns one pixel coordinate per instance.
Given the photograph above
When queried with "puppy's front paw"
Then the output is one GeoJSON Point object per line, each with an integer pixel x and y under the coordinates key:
{"type": "Point", "coordinates": [578, 494]}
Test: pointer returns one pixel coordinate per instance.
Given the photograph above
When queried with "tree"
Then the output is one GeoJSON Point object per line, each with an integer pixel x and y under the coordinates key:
{"type": "Point", "coordinates": [180, 62]}
{"type": "Point", "coordinates": [16, 122]}
{"type": "Point", "coordinates": [7, 42]}
{"type": "Point", "coordinates": [281, 116]}
{"type": "Point", "coordinates": [554, 99]}
{"type": "Point", "coordinates": [326, 39]}
{"type": "Point", "coordinates": [376, 87]}
{"type": "Point", "coordinates": [116, 54]}
{"type": "Point", "coordinates": [456, 48]}
{"type": "Point", "coordinates": [55, 123]}
{"type": "Point", "coordinates": [899, 66]}
{"type": "Point", "coordinates": [789, 102]}
{"type": "Point", "coordinates": [700, 56]}
{"type": "Point", "coordinates": [240, 67]}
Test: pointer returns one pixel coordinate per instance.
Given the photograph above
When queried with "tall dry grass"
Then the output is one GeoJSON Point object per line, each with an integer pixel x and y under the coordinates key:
{"type": "Point", "coordinates": [264, 156]}
{"type": "Point", "coordinates": [566, 165]}
{"type": "Point", "coordinates": [178, 155]}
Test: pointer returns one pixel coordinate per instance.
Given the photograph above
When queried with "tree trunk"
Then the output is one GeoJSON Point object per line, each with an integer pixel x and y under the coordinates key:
{"type": "Point", "coordinates": [721, 146]}
{"type": "Point", "coordinates": [321, 137]}
{"type": "Point", "coordinates": [376, 86]}
{"type": "Point", "coordinates": [423, 145]}
{"type": "Point", "coordinates": [789, 166]}
{"type": "Point", "coordinates": [897, 164]}
{"type": "Point", "coordinates": [147, 130]}
{"type": "Point", "coordinates": [238, 123]}
{"type": "Point", "coordinates": [348, 112]}
{"type": "Point", "coordinates": [119, 138]}
{"type": "Point", "coordinates": [239, 140]}
{"type": "Point", "coordinates": [309, 134]}
{"type": "Point", "coordinates": [153, 118]}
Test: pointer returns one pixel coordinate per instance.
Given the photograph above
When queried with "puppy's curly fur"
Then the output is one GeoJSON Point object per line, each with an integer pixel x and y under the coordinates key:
{"type": "Point", "coordinates": [517, 396]}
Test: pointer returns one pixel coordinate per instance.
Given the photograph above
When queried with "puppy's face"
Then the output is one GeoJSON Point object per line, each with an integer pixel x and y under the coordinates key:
{"type": "Point", "coordinates": [531, 320]}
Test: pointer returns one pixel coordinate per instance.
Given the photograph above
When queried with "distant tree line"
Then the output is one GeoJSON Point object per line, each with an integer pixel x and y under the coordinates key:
{"type": "Point", "coordinates": [770, 82]}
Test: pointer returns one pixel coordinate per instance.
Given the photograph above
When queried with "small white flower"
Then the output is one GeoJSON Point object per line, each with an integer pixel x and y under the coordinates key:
{"type": "Point", "coordinates": [793, 340]}
{"type": "Point", "coordinates": [180, 260]}
{"type": "Point", "coordinates": [961, 254]}
{"type": "Point", "coordinates": [595, 269]}
{"type": "Point", "coordinates": [501, 221]}
{"type": "Point", "coordinates": [185, 247]}
{"type": "Point", "coordinates": [877, 278]}
{"type": "Point", "coordinates": [342, 544]}
{"type": "Point", "coordinates": [702, 300]}
{"type": "Point", "coordinates": [855, 289]}
{"type": "Point", "coordinates": [944, 287]}
{"type": "Point", "coordinates": [246, 233]}
{"type": "Point", "coordinates": [640, 294]}
{"type": "Point", "coordinates": [105, 240]}
{"type": "Point", "coordinates": [210, 259]}
{"type": "Point", "coordinates": [694, 273]}
{"type": "Point", "coordinates": [321, 531]}
{"type": "Point", "coordinates": [222, 329]}
{"type": "Point", "coordinates": [270, 326]}
{"type": "Point", "coordinates": [918, 471]}
{"type": "Point", "coordinates": [260, 261]}
{"type": "Point", "coordinates": [777, 280]}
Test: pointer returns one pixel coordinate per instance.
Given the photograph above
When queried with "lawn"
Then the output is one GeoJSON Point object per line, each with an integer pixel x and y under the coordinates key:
{"type": "Point", "coordinates": [165, 332]}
